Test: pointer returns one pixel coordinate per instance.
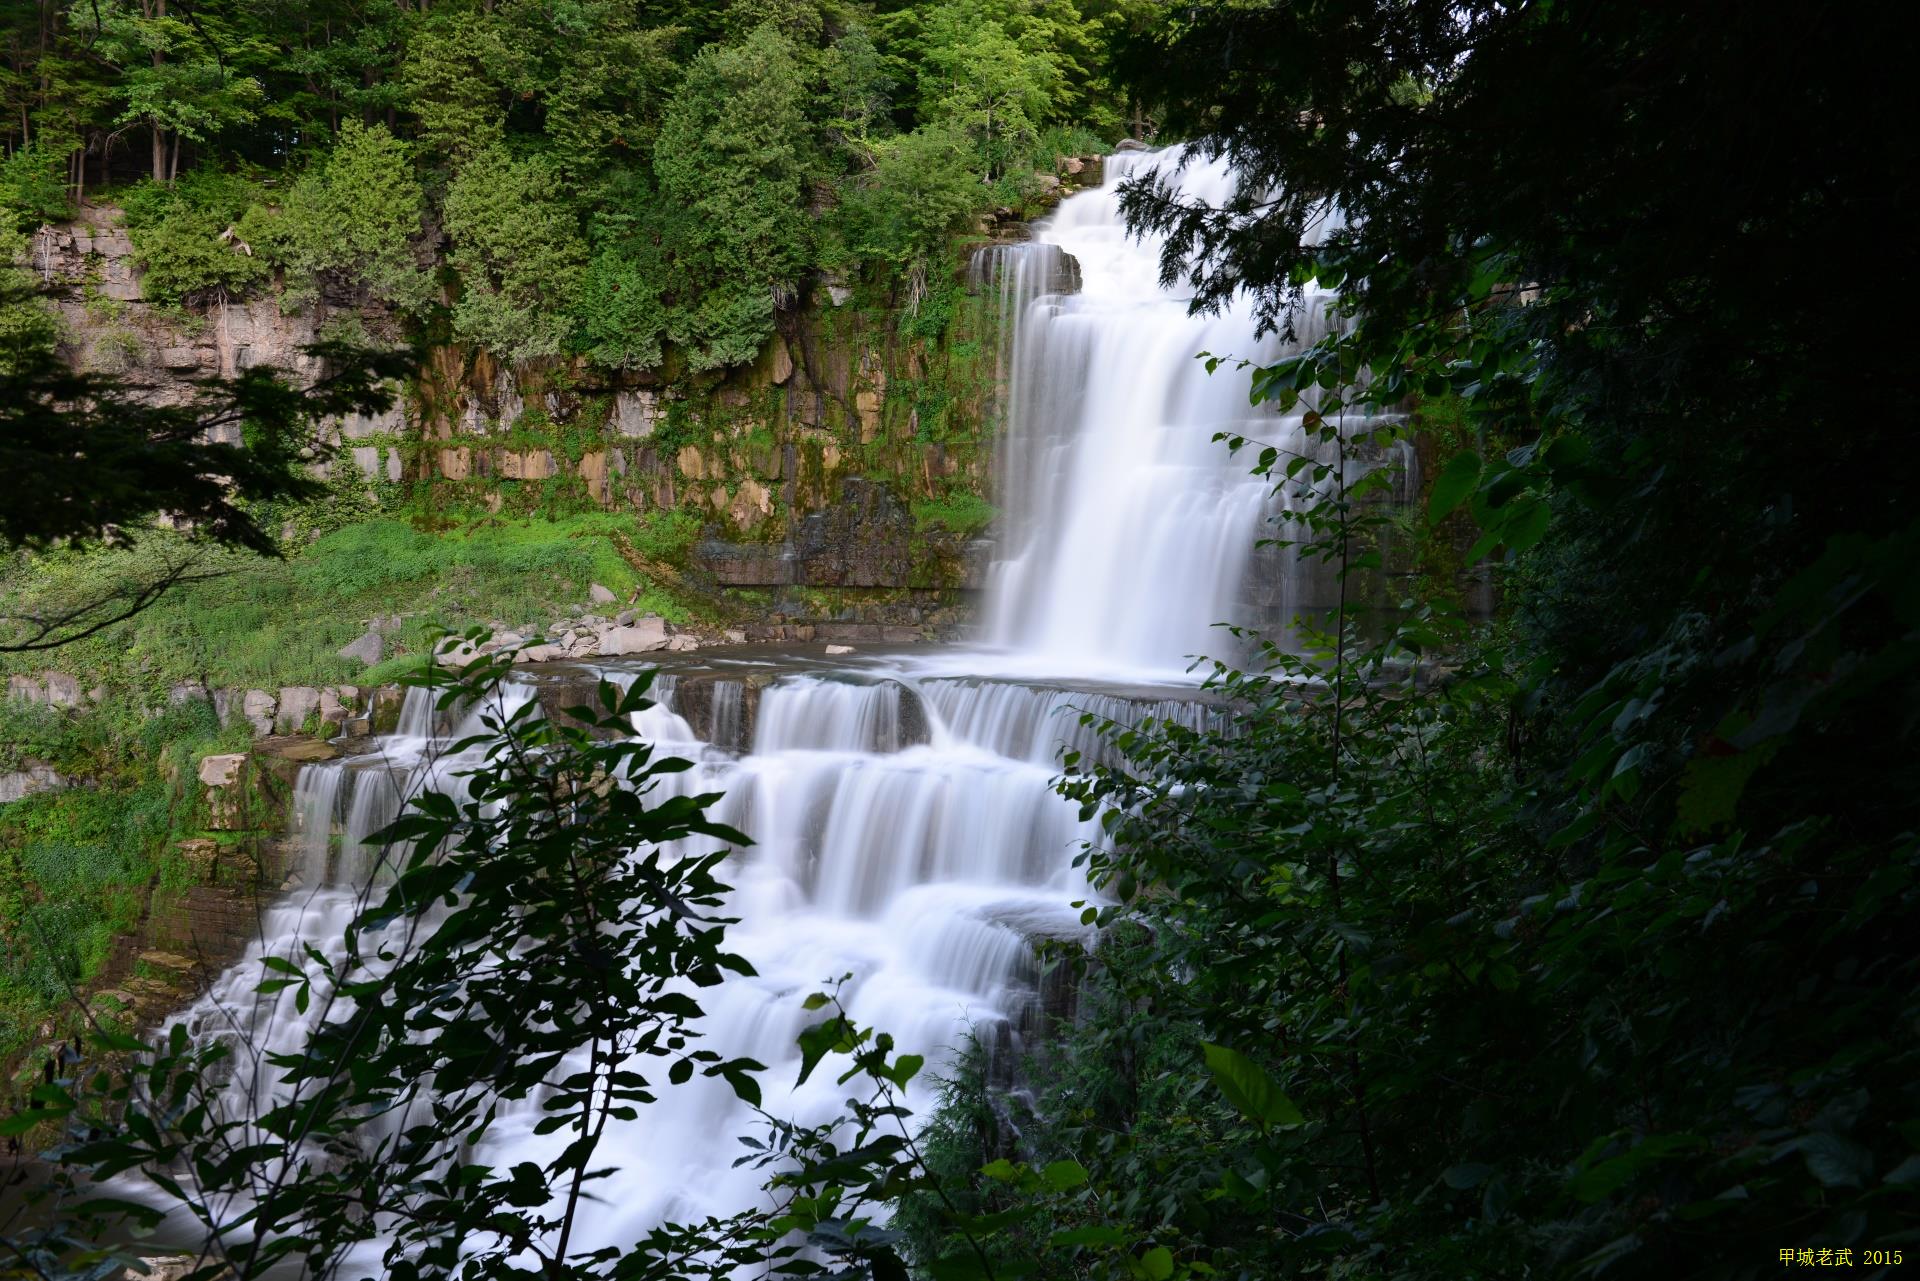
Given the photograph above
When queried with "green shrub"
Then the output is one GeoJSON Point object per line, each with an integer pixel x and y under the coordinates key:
{"type": "Point", "coordinates": [920, 189]}
{"type": "Point", "coordinates": [180, 236]}
{"type": "Point", "coordinates": [354, 215]}
{"type": "Point", "coordinates": [33, 187]}
{"type": "Point", "coordinates": [732, 161]}
{"type": "Point", "coordinates": [959, 512]}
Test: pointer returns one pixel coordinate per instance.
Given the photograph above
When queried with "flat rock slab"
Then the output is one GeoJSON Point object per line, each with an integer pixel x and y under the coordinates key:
{"type": "Point", "coordinates": [643, 637]}
{"type": "Point", "coordinates": [222, 770]}
{"type": "Point", "coordinates": [296, 747]}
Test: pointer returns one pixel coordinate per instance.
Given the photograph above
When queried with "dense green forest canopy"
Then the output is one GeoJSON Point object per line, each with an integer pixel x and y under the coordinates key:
{"type": "Point", "coordinates": [606, 179]}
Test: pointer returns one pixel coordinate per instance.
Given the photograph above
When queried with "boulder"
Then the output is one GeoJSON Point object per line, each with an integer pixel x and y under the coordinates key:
{"type": "Point", "coordinates": [542, 654]}
{"type": "Point", "coordinates": [35, 777]}
{"type": "Point", "coordinates": [62, 690]}
{"type": "Point", "coordinates": [388, 701]}
{"type": "Point", "coordinates": [681, 644]}
{"type": "Point", "coordinates": [599, 595]}
{"type": "Point", "coordinates": [839, 649]}
{"type": "Point", "coordinates": [635, 413]}
{"type": "Point", "coordinates": [297, 703]}
{"type": "Point", "coordinates": [223, 770]}
{"type": "Point", "coordinates": [337, 703]}
{"type": "Point", "coordinates": [368, 649]}
{"type": "Point", "coordinates": [626, 616]}
{"type": "Point", "coordinates": [641, 637]}
{"type": "Point", "coordinates": [257, 707]}
{"type": "Point", "coordinates": [838, 291]}
{"type": "Point", "coordinates": [454, 652]}
{"type": "Point", "coordinates": [201, 855]}
{"type": "Point", "coordinates": [298, 748]}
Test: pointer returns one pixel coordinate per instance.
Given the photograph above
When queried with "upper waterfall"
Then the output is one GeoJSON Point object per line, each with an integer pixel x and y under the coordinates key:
{"type": "Point", "coordinates": [1127, 530]}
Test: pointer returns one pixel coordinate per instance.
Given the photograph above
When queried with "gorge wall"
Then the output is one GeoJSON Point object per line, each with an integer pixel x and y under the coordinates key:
{"type": "Point", "coordinates": [852, 458]}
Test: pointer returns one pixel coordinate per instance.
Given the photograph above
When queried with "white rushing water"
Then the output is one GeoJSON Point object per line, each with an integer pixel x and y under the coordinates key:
{"type": "Point", "coordinates": [1128, 527]}
{"type": "Point", "coordinates": [905, 829]}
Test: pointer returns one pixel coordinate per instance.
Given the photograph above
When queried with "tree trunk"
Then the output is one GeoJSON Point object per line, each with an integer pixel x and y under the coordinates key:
{"type": "Point", "coordinates": [159, 10]}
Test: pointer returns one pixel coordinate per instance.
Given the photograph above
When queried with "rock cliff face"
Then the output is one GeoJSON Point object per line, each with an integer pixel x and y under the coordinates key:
{"type": "Point", "coordinates": [814, 468]}
{"type": "Point", "coordinates": [111, 329]}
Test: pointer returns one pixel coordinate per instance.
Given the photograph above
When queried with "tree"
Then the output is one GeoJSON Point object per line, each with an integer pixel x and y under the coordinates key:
{"type": "Point", "coordinates": [518, 249]}
{"type": "Point", "coordinates": [178, 75]}
{"type": "Point", "coordinates": [918, 192]}
{"type": "Point", "coordinates": [451, 79]}
{"type": "Point", "coordinates": [1573, 963]}
{"type": "Point", "coordinates": [976, 77]}
{"type": "Point", "coordinates": [598, 75]}
{"type": "Point", "coordinates": [732, 159]}
{"type": "Point", "coordinates": [103, 463]}
{"type": "Point", "coordinates": [356, 215]}
{"type": "Point", "coordinates": [185, 237]}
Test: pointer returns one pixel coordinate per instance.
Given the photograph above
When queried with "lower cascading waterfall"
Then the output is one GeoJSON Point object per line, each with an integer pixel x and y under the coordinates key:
{"type": "Point", "coordinates": [906, 833]}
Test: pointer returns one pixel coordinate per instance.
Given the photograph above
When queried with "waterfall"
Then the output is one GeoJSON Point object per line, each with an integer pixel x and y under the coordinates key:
{"type": "Point", "coordinates": [905, 827]}
{"type": "Point", "coordinates": [1129, 532]}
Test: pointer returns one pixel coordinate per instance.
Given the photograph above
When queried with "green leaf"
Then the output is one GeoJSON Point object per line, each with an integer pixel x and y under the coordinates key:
{"type": "Point", "coordinates": [1089, 1234]}
{"type": "Point", "coordinates": [1157, 1264]}
{"type": "Point", "coordinates": [21, 1122]}
{"type": "Point", "coordinates": [1455, 482]}
{"type": "Point", "coordinates": [1062, 1175]}
{"type": "Point", "coordinates": [817, 1042]}
{"type": "Point", "coordinates": [744, 1086]}
{"type": "Point", "coordinates": [1837, 1161]}
{"type": "Point", "coordinates": [1249, 1088]}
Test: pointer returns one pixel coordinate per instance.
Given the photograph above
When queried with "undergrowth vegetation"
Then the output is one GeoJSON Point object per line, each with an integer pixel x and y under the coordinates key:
{"type": "Point", "coordinates": [77, 864]}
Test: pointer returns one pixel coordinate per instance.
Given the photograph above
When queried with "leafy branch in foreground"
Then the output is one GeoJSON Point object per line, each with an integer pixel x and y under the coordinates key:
{"type": "Point", "coordinates": [528, 939]}
{"type": "Point", "coordinates": [100, 457]}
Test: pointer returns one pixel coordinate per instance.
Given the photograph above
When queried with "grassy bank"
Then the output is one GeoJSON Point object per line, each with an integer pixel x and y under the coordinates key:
{"type": "Point", "coordinates": [79, 866]}
{"type": "Point", "coordinates": [262, 623]}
